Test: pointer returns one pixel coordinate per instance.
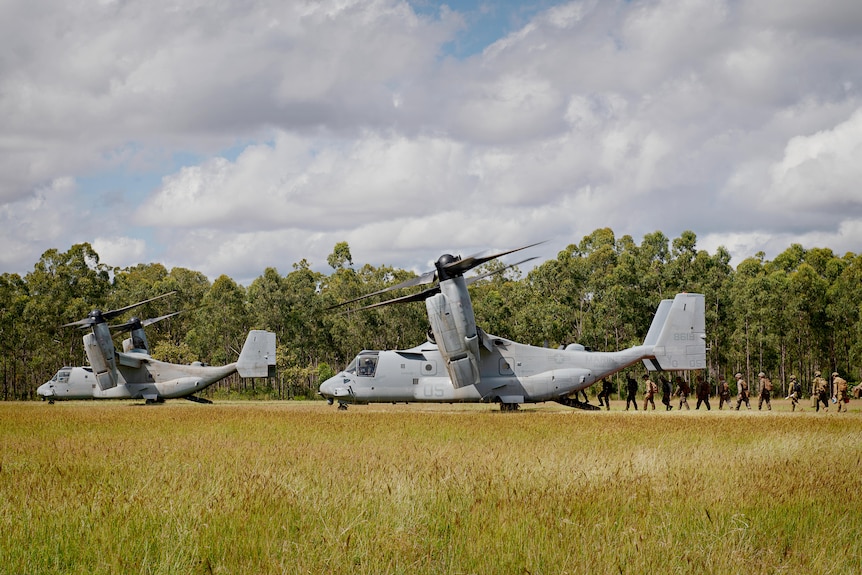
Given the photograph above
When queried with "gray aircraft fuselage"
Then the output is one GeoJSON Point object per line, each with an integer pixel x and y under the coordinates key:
{"type": "Point", "coordinates": [151, 379]}
{"type": "Point", "coordinates": [511, 373]}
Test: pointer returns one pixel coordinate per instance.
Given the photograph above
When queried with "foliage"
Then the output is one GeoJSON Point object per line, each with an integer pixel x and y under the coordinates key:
{"type": "Point", "coordinates": [798, 313]}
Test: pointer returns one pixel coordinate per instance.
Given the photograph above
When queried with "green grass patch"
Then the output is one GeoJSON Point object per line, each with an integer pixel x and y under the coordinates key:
{"type": "Point", "coordinates": [298, 487]}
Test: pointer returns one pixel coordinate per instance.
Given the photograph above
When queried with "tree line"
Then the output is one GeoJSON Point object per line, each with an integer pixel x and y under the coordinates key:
{"type": "Point", "coordinates": [795, 314]}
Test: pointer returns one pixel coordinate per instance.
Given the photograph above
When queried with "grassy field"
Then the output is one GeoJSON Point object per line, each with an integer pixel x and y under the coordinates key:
{"type": "Point", "coordinates": [299, 487]}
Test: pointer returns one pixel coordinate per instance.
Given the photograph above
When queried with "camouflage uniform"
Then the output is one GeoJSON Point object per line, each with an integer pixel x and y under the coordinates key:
{"type": "Point", "coordinates": [605, 394]}
{"type": "Point", "coordinates": [794, 391]}
{"type": "Point", "coordinates": [765, 391]}
{"type": "Point", "coordinates": [683, 391]}
{"type": "Point", "coordinates": [742, 388]}
{"type": "Point", "coordinates": [820, 392]}
{"type": "Point", "coordinates": [840, 385]}
{"type": "Point", "coordinates": [703, 391]}
{"type": "Point", "coordinates": [723, 393]}
{"type": "Point", "coordinates": [649, 392]}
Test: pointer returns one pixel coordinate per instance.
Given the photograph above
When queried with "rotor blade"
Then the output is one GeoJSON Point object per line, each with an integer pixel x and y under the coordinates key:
{"type": "Point", "coordinates": [97, 316]}
{"type": "Point", "coordinates": [474, 279]}
{"type": "Point", "coordinates": [153, 320]}
{"type": "Point", "coordinates": [420, 296]}
{"type": "Point", "coordinates": [425, 278]}
{"type": "Point", "coordinates": [459, 267]}
{"type": "Point", "coordinates": [115, 312]}
{"type": "Point", "coordinates": [135, 322]}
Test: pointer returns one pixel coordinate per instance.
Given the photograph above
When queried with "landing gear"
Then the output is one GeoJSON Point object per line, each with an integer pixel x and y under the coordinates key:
{"type": "Point", "coordinates": [509, 407]}
{"type": "Point", "coordinates": [342, 406]}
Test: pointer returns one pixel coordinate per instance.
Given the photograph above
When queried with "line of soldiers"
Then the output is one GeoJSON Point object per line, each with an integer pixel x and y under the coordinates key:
{"type": "Point", "coordinates": [820, 392]}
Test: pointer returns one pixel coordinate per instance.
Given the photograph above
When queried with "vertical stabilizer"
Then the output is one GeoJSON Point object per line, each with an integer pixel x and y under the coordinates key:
{"type": "Point", "coordinates": [257, 355]}
{"type": "Point", "coordinates": [678, 334]}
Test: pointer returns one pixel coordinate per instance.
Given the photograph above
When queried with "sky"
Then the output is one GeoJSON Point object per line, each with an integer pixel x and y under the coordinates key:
{"type": "Point", "coordinates": [229, 136]}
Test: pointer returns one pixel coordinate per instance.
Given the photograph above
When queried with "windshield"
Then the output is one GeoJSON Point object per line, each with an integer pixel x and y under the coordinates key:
{"type": "Point", "coordinates": [364, 364]}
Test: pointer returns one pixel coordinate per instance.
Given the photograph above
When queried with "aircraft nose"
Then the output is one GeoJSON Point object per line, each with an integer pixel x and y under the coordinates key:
{"type": "Point", "coordinates": [45, 390]}
{"type": "Point", "coordinates": [338, 386]}
{"type": "Point", "coordinates": [327, 388]}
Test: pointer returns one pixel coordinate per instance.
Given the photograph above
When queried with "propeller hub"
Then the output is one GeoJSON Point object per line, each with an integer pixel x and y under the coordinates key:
{"type": "Point", "coordinates": [443, 264]}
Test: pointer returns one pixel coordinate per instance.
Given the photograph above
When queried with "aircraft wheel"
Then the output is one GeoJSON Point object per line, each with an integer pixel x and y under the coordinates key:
{"type": "Point", "coordinates": [50, 402]}
{"type": "Point", "coordinates": [342, 406]}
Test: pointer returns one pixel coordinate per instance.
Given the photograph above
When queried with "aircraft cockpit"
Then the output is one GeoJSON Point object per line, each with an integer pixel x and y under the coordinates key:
{"type": "Point", "coordinates": [364, 364]}
{"type": "Point", "coordinates": [61, 376]}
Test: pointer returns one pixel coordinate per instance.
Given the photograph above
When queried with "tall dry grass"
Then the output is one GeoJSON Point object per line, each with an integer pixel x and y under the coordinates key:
{"type": "Point", "coordinates": [302, 488]}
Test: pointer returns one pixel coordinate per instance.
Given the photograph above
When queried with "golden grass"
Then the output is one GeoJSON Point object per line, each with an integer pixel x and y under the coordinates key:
{"type": "Point", "coordinates": [301, 488]}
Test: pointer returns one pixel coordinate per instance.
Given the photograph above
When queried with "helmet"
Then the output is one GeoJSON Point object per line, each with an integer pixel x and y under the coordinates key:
{"type": "Point", "coordinates": [816, 374]}
{"type": "Point", "coordinates": [738, 375]}
{"type": "Point", "coordinates": [793, 377]}
{"type": "Point", "coordinates": [834, 374]}
{"type": "Point", "coordinates": [761, 374]}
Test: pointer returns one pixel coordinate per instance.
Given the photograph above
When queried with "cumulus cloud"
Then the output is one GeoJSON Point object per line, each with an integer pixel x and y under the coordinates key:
{"type": "Point", "coordinates": [274, 130]}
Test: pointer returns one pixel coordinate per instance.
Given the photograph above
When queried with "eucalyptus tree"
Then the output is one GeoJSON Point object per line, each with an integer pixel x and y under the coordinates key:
{"type": "Point", "coordinates": [63, 287]}
{"type": "Point", "coordinates": [221, 324]}
{"type": "Point", "coordinates": [13, 300]}
{"type": "Point", "coordinates": [599, 253]}
{"type": "Point", "coordinates": [845, 297]}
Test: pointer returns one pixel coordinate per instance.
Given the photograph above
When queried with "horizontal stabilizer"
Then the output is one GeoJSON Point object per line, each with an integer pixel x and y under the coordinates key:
{"type": "Point", "coordinates": [258, 354]}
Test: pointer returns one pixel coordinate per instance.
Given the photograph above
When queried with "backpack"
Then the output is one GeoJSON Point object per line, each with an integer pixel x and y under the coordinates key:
{"type": "Point", "coordinates": [653, 388]}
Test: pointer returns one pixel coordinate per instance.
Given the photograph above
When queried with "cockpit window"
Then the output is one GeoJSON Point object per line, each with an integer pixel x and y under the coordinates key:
{"type": "Point", "coordinates": [62, 376]}
{"type": "Point", "coordinates": [364, 364]}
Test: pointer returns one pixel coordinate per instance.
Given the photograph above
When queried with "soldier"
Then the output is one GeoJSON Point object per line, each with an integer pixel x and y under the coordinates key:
{"type": "Point", "coordinates": [742, 389]}
{"type": "Point", "coordinates": [665, 393]}
{"type": "Point", "coordinates": [605, 394]}
{"type": "Point", "coordinates": [703, 391]}
{"type": "Point", "coordinates": [794, 390]}
{"type": "Point", "coordinates": [840, 389]}
{"type": "Point", "coordinates": [632, 389]}
{"type": "Point", "coordinates": [683, 391]}
{"type": "Point", "coordinates": [650, 390]}
{"type": "Point", "coordinates": [820, 392]}
{"type": "Point", "coordinates": [765, 391]}
{"type": "Point", "coordinates": [723, 393]}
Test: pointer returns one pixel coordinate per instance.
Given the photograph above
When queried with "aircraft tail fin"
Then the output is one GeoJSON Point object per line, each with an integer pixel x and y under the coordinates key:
{"type": "Point", "coordinates": [678, 334]}
{"type": "Point", "coordinates": [257, 358]}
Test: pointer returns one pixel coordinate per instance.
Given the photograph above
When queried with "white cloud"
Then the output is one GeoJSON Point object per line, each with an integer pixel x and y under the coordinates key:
{"type": "Point", "coordinates": [278, 129]}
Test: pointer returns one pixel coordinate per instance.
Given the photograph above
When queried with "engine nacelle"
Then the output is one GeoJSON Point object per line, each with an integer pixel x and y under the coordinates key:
{"type": "Point", "coordinates": [103, 367]}
{"type": "Point", "coordinates": [457, 351]}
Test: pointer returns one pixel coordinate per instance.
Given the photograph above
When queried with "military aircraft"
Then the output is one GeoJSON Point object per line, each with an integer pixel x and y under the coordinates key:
{"type": "Point", "coordinates": [134, 374]}
{"type": "Point", "coordinates": [462, 363]}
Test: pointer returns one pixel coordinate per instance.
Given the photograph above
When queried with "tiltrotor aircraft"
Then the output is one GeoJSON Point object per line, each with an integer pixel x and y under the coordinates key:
{"type": "Point", "coordinates": [134, 374]}
{"type": "Point", "coordinates": [462, 363]}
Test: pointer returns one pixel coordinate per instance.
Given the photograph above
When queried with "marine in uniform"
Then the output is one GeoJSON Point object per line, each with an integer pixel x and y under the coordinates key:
{"type": "Point", "coordinates": [650, 391]}
{"type": "Point", "coordinates": [632, 391]}
{"type": "Point", "coordinates": [839, 385]}
{"type": "Point", "coordinates": [683, 391]}
{"type": "Point", "coordinates": [742, 388]}
{"type": "Point", "coordinates": [666, 390]}
{"type": "Point", "coordinates": [605, 394]}
{"type": "Point", "coordinates": [765, 391]}
{"type": "Point", "coordinates": [703, 391]}
{"type": "Point", "coordinates": [820, 392]}
{"type": "Point", "coordinates": [723, 393]}
{"type": "Point", "coordinates": [794, 389]}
